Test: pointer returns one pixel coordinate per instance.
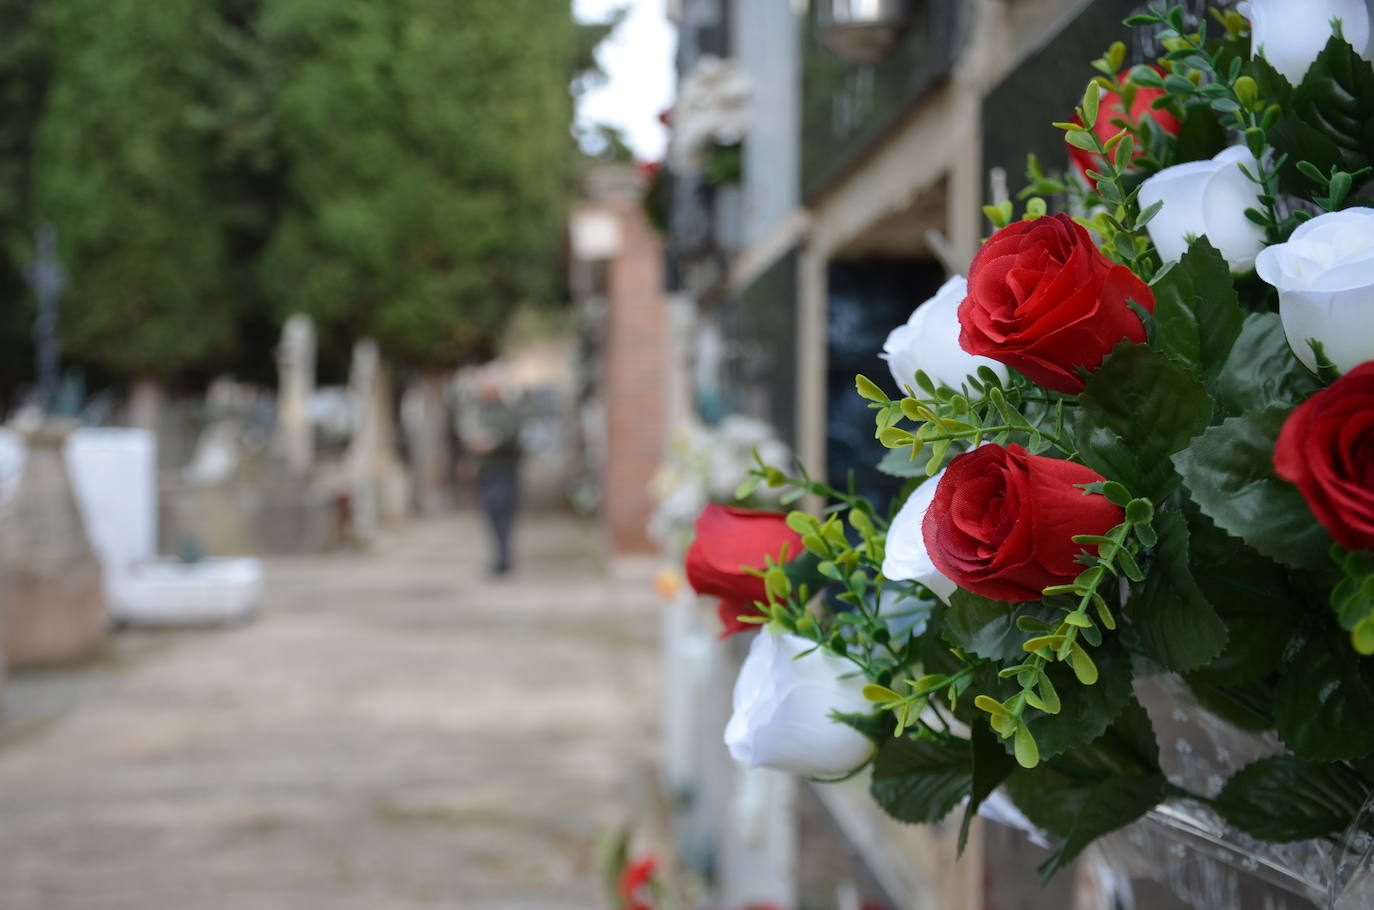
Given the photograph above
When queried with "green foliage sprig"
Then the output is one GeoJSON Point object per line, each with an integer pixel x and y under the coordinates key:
{"type": "Point", "coordinates": [985, 409]}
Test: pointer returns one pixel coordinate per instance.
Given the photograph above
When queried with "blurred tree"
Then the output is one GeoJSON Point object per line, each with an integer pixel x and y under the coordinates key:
{"type": "Point", "coordinates": [428, 167]}
{"type": "Point", "coordinates": [587, 71]}
{"type": "Point", "coordinates": [122, 169]}
{"type": "Point", "coordinates": [605, 142]}
{"type": "Point", "coordinates": [24, 64]}
{"type": "Point", "coordinates": [248, 170]}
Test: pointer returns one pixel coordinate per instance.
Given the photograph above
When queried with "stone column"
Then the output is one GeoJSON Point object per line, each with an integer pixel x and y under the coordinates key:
{"type": "Point", "coordinates": [51, 588]}
{"type": "Point", "coordinates": [146, 400]}
{"type": "Point", "coordinates": [431, 453]}
{"type": "Point", "coordinates": [295, 386]}
{"type": "Point", "coordinates": [362, 448]}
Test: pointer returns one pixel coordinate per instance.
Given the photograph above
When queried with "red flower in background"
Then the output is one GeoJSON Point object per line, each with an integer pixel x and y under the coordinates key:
{"type": "Point", "coordinates": [1326, 447]}
{"type": "Point", "coordinates": [1043, 300]}
{"type": "Point", "coordinates": [727, 540]}
{"type": "Point", "coordinates": [1003, 521]}
{"type": "Point", "coordinates": [1110, 108]}
{"type": "Point", "coordinates": [634, 878]}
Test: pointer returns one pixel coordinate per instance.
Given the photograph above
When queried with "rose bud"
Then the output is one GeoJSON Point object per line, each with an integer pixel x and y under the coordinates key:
{"type": "Point", "coordinates": [1206, 199]}
{"type": "Point", "coordinates": [1291, 35]}
{"type": "Point", "coordinates": [1003, 521]}
{"type": "Point", "coordinates": [1043, 300]}
{"type": "Point", "coordinates": [1325, 278]}
{"type": "Point", "coordinates": [1326, 448]}
{"type": "Point", "coordinates": [929, 341]}
{"type": "Point", "coordinates": [1109, 108]}
{"type": "Point", "coordinates": [782, 708]}
{"type": "Point", "coordinates": [727, 541]}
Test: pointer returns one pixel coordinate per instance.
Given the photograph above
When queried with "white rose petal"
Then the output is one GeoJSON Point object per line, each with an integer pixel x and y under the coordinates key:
{"type": "Point", "coordinates": [782, 708]}
{"type": "Point", "coordinates": [1291, 33]}
{"type": "Point", "coordinates": [905, 557]}
{"type": "Point", "coordinates": [1206, 198]}
{"type": "Point", "coordinates": [930, 341]}
{"type": "Point", "coordinates": [1325, 278]}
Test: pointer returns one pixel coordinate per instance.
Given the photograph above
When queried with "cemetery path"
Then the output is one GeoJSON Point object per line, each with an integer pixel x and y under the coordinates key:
{"type": "Point", "coordinates": [393, 731]}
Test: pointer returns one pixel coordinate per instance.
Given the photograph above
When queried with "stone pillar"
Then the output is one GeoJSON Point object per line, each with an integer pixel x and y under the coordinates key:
{"type": "Point", "coordinates": [635, 372]}
{"type": "Point", "coordinates": [295, 386]}
{"type": "Point", "coordinates": [146, 400]}
{"type": "Point", "coordinates": [362, 448]}
{"type": "Point", "coordinates": [431, 453]}
{"type": "Point", "coordinates": [51, 588]}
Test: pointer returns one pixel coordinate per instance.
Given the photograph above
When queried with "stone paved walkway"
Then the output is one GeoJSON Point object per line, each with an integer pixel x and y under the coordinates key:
{"type": "Point", "coordinates": [392, 732]}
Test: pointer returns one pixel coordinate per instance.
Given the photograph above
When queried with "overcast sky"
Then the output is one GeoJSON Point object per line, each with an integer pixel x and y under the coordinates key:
{"type": "Point", "coordinates": [638, 57]}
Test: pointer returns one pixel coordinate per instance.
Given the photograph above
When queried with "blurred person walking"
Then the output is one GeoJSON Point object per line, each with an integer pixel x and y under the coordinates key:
{"type": "Point", "coordinates": [491, 432]}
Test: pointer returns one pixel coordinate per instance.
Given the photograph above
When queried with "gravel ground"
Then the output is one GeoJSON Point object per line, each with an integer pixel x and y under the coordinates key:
{"type": "Point", "coordinates": [393, 731]}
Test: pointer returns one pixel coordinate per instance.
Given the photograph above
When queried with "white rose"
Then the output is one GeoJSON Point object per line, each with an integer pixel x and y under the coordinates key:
{"type": "Point", "coordinates": [1206, 198]}
{"type": "Point", "coordinates": [1290, 34]}
{"type": "Point", "coordinates": [905, 557]}
{"type": "Point", "coordinates": [782, 710]}
{"type": "Point", "coordinates": [930, 341]}
{"type": "Point", "coordinates": [1325, 277]}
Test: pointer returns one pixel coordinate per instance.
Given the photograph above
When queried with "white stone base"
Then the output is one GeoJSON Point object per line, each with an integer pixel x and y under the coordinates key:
{"type": "Point", "coordinates": [170, 593]}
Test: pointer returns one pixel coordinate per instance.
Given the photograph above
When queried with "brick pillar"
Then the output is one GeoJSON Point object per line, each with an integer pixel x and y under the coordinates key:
{"type": "Point", "coordinates": [636, 379]}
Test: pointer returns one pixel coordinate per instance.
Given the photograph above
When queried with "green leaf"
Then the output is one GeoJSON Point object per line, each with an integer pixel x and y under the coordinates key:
{"type": "Point", "coordinates": [1229, 471]}
{"type": "Point", "coordinates": [867, 388]}
{"type": "Point", "coordinates": [920, 782]}
{"type": "Point", "coordinates": [988, 627]}
{"type": "Point", "coordinates": [1329, 120]}
{"type": "Point", "coordinates": [877, 726]}
{"type": "Point", "coordinates": [1085, 711]}
{"type": "Point", "coordinates": [1200, 136]}
{"type": "Point", "coordinates": [1353, 596]}
{"type": "Point", "coordinates": [1175, 623]}
{"type": "Point", "coordinates": [1096, 788]}
{"type": "Point", "coordinates": [1283, 799]}
{"type": "Point", "coordinates": [1251, 595]}
{"type": "Point", "coordinates": [1110, 804]}
{"type": "Point", "coordinates": [1137, 409]}
{"type": "Point", "coordinates": [1262, 370]}
{"type": "Point", "coordinates": [1325, 701]}
{"type": "Point", "coordinates": [1197, 313]}
{"type": "Point", "coordinates": [1249, 706]}
{"type": "Point", "coordinates": [804, 570]}
{"type": "Point", "coordinates": [991, 765]}
{"type": "Point", "coordinates": [1024, 747]}
{"type": "Point", "coordinates": [898, 463]}
{"type": "Point", "coordinates": [877, 693]}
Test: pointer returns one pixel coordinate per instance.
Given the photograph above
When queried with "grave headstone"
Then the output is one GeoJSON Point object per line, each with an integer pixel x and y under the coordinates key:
{"type": "Point", "coordinates": [295, 387]}
{"type": "Point", "coordinates": [51, 588]}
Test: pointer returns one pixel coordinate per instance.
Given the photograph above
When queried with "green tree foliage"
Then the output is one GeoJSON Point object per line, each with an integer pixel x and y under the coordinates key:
{"type": "Point", "coordinates": [428, 160]}
{"type": "Point", "coordinates": [587, 72]}
{"type": "Point", "coordinates": [23, 78]}
{"type": "Point", "coordinates": [122, 168]}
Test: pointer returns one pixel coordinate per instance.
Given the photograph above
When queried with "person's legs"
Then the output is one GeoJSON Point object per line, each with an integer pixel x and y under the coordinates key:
{"type": "Point", "coordinates": [499, 499]}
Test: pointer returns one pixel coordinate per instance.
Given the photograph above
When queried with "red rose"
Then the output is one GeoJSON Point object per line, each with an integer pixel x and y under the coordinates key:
{"type": "Point", "coordinates": [1110, 108]}
{"type": "Point", "coordinates": [1003, 521]}
{"type": "Point", "coordinates": [1326, 447]}
{"type": "Point", "coordinates": [1044, 301]}
{"type": "Point", "coordinates": [728, 540]}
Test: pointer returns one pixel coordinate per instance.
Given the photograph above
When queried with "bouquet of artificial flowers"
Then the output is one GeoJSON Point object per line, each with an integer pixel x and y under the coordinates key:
{"type": "Point", "coordinates": [1138, 440]}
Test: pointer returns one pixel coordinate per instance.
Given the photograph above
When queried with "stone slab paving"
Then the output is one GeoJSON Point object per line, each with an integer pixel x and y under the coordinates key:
{"type": "Point", "coordinates": [394, 731]}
